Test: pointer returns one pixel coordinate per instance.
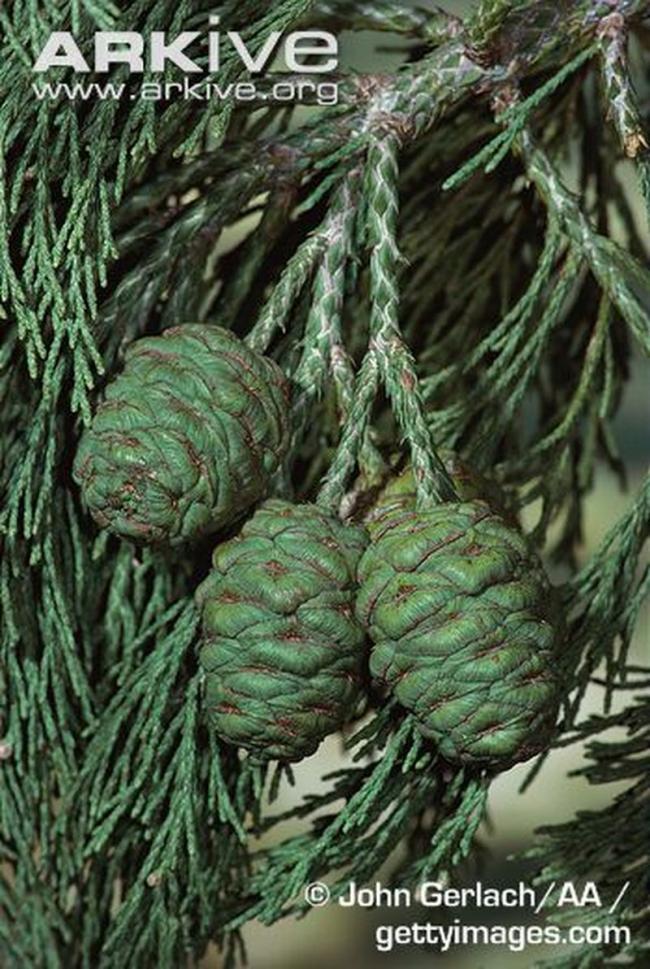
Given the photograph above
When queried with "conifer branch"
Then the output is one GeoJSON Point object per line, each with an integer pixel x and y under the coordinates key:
{"type": "Point", "coordinates": [498, 318]}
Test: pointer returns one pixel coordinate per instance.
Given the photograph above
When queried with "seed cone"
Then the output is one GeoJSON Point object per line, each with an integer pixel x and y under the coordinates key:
{"type": "Point", "coordinates": [186, 437]}
{"type": "Point", "coordinates": [400, 492]}
{"type": "Point", "coordinates": [283, 653]}
{"type": "Point", "coordinates": [464, 628]}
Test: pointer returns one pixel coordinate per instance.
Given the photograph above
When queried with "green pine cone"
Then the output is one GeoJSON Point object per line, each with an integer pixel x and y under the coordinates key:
{"type": "Point", "coordinates": [461, 616]}
{"type": "Point", "coordinates": [283, 653]}
{"type": "Point", "coordinates": [186, 438]}
{"type": "Point", "coordinates": [400, 493]}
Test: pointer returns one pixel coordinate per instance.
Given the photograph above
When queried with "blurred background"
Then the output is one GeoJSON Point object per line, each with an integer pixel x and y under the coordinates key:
{"type": "Point", "coordinates": [334, 936]}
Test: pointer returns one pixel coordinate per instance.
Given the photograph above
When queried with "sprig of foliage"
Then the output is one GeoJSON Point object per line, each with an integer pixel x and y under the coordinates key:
{"type": "Point", "coordinates": [609, 862]}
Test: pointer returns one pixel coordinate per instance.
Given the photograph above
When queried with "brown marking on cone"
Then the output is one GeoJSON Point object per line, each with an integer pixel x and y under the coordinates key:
{"type": "Point", "coordinates": [276, 568]}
